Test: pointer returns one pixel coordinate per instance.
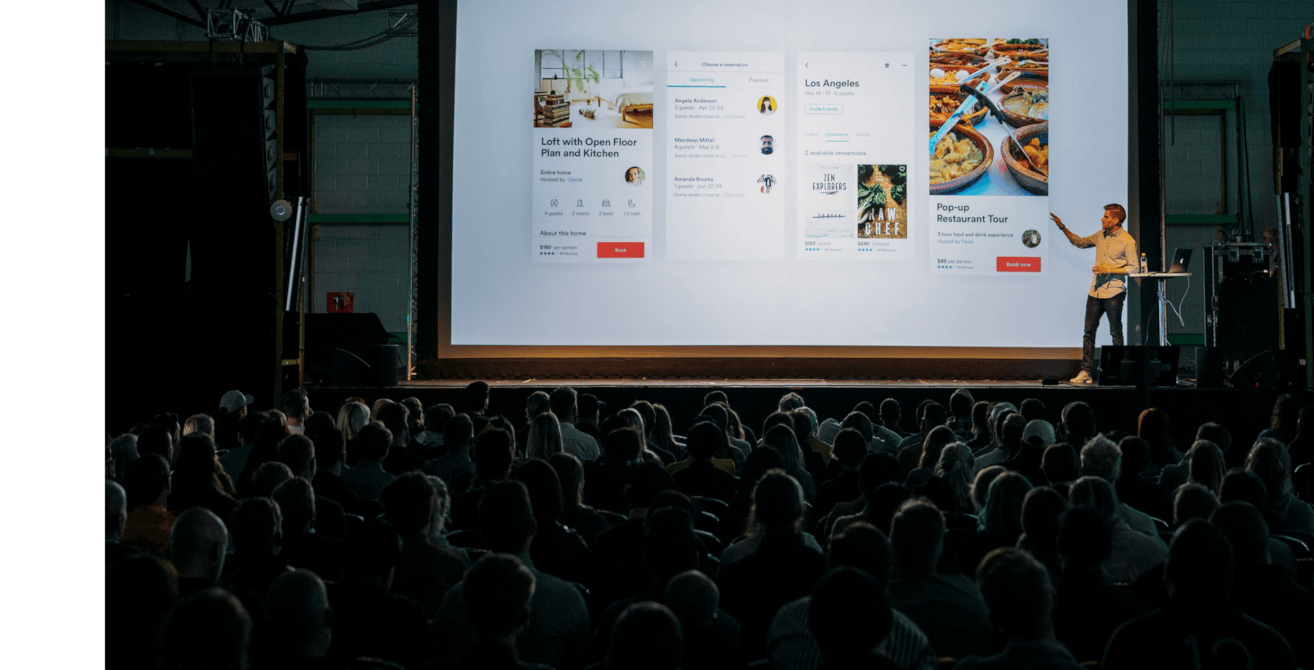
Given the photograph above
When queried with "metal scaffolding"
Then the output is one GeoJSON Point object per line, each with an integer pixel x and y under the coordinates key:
{"type": "Point", "coordinates": [412, 301]}
{"type": "Point", "coordinates": [359, 89]}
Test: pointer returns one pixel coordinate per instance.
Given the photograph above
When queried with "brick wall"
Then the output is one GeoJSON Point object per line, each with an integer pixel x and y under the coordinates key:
{"type": "Point", "coordinates": [1221, 41]}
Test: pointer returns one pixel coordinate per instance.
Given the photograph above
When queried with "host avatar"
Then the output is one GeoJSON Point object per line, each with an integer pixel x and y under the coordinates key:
{"type": "Point", "coordinates": [634, 176]}
{"type": "Point", "coordinates": [767, 141]}
{"type": "Point", "coordinates": [766, 106]}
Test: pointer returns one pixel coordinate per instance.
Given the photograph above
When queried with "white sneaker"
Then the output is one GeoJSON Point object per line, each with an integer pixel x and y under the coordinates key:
{"type": "Point", "coordinates": [1082, 378]}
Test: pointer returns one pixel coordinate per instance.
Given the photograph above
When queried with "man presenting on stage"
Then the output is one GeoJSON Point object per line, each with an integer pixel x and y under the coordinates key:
{"type": "Point", "coordinates": [1115, 256]}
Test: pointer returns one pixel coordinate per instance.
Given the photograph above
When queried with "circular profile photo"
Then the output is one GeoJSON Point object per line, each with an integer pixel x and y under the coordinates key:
{"type": "Point", "coordinates": [767, 143]}
{"type": "Point", "coordinates": [766, 105]}
{"type": "Point", "coordinates": [765, 182]}
{"type": "Point", "coordinates": [634, 176]}
{"type": "Point", "coordinates": [1031, 238]}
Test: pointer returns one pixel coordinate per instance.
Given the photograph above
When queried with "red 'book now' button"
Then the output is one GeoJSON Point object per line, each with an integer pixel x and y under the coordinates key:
{"type": "Point", "coordinates": [620, 249]}
{"type": "Point", "coordinates": [1017, 264]}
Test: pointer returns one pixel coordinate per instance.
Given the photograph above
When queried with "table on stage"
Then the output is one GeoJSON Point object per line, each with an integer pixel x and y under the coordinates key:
{"type": "Point", "coordinates": [1161, 278]}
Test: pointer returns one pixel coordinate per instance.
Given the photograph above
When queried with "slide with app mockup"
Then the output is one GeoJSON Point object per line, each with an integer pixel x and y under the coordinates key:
{"type": "Point", "coordinates": [592, 157]}
{"type": "Point", "coordinates": [989, 172]}
{"type": "Point", "coordinates": [854, 148]}
{"type": "Point", "coordinates": [692, 166]}
{"type": "Point", "coordinates": [725, 170]}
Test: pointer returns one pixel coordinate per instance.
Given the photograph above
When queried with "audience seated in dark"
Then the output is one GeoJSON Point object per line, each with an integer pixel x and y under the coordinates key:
{"type": "Point", "coordinates": [557, 550]}
{"type": "Point", "coordinates": [849, 450]}
{"type": "Point", "coordinates": [574, 513]}
{"type": "Point", "coordinates": [1283, 425]}
{"type": "Point", "coordinates": [1199, 627]}
{"type": "Point", "coordinates": [198, 479]}
{"type": "Point", "coordinates": [149, 521]}
{"type": "Point", "coordinates": [208, 630]}
{"type": "Point", "coordinates": [297, 452]}
{"type": "Point", "coordinates": [1133, 553]}
{"type": "Point", "coordinates": [781, 569]}
{"type": "Point", "coordinates": [1301, 446]}
{"type": "Point", "coordinates": [1283, 511]}
{"type": "Point", "coordinates": [367, 477]}
{"type": "Point", "coordinates": [1153, 427]}
{"type": "Point", "coordinates": [301, 621]}
{"type": "Point", "coordinates": [1261, 589]}
{"type": "Point", "coordinates": [1059, 464]}
{"type": "Point", "coordinates": [1077, 424]}
{"type": "Point", "coordinates": [558, 631]}
{"type": "Point", "coordinates": [264, 449]}
{"type": "Point", "coordinates": [790, 643]}
{"type": "Point", "coordinates": [455, 463]}
{"type": "Point", "coordinates": [875, 471]}
{"type": "Point", "coordinates": [1017, 590]}
{"type": "Point", "coordinates": [948, 608]}
{"type": "Point", "coordinates": [935, 442]}
{"type": "Point", "coordinates": [784, 441]}
{"type": "Point", "coordinates": [330, 452]}
{"type": "Point", "coordinates": [670, 547]}
{"type": "Point", "coordinates": [1089, 607]}
{"type": "Point", "coordinates": [494, 456]}
{"type": "Point", "coordinates": [1001, 521]}
{"type": "Point", "coordinates": [1037, 436]}
{"type": "Point", "coordinates": [1042, 511]}
{"type": "Point", "coordinates": [395, 417]}
{"type": "Point", "coordinates": [1192, 501]}
{"type": "Point", "coordinates": [139, 591]}
{"type": "Point", "coordinates": [711, 636]}
{"type": "Point", "coordinates": [257, 538]}
{"type": "Point", "coordinates": [116, 514]}
{"type": "Point", "coordinates": [300, 473]}
{"type": "Point", "coordinates": [1135, 489]}
{"type": "Point", "coordinates": [367, 620]}
{"type": "Point", "coordinates": [1101, 458]}
{"type": "Point", "coordinates": [735, 520]}
{"type": "Point", "coordinates": [424, 572]}
{"type": "Point", "coordinates": [700, 477]}
{"type": "Point", "coordinates": [605, 480]}
{"type": "Point", "coordinates": [498, 610]}
{"type": "Point", "coordinates": [950, 488]}
{"type": "Point", "coordinates": [303, 547]}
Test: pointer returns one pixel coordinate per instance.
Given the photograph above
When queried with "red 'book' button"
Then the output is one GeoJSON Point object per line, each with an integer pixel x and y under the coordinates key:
{"type": "Point", "coordinates": [1017, 264]}
{"type": "Point", "coordinates": [620, 249]}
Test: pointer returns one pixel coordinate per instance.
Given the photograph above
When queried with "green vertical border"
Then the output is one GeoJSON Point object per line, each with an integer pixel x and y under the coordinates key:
{"type": "Point", "coordinates": [51, 266]}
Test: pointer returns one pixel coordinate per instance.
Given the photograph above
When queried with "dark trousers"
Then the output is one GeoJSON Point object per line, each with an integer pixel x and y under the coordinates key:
{"type": "Point", "coordinates": [1095, 308]}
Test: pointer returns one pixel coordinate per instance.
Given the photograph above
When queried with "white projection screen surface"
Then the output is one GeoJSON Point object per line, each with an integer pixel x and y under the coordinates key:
{"type": "Point", "coordinates": [769, 174]}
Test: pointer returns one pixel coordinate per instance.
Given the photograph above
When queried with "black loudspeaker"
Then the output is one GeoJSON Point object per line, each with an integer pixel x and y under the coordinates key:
{"type": "Point", "coordinates": [356, 333]}
{"type": "Point", "coordinates": [1138, 366]}
{"type": "Point", "coordinates": [1247, 317]}
{"type": "Point", "coordinates": [347, 369]}
{"type": "Point", "coordinates": [1260, 372]}
{"type": "Point", "coordinates": [1208, 368]}
{"type": "Point", "coordinates": [384, 359]}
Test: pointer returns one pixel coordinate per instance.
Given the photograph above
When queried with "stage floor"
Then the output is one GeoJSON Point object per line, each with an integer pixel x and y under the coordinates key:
{"type": "Point", "coordinates": [595, 382]}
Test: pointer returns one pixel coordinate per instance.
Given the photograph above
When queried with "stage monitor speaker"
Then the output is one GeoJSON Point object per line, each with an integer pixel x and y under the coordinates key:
{"type": "Point", "coordinates": [355, 332]}
{"type": "Point", "coordinates": [347, 369]}
{"type": "Point", "coordinates": [1208, 368]}
{"type": "Point", "coordinates": [1138, 366]}
{"type": "Point", "coordinates": [1247, 317]}
{"type": "Point", "coordinates": [1260, 372]}
{"type": "Point", "coordinates": [384, 359]}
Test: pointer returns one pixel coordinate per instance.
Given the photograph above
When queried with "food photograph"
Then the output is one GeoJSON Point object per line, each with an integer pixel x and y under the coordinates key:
{"type": "Point", "coordinates": [989, 116]}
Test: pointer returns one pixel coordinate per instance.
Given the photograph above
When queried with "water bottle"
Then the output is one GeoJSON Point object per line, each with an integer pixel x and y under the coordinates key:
{"type": "Point", "coordinates": [1144, 265]}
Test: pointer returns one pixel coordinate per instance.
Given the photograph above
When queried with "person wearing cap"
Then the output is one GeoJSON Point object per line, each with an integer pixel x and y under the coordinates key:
{"type": "Point", "coordinates": [235, 402]}
{"type": "Point", "coordinates": [1036, 437]}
